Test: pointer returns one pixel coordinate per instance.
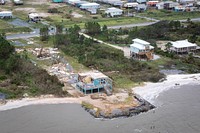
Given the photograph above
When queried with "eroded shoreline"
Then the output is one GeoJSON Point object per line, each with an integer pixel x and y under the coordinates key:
{"type": "Point", "coordinates": [144, 94]}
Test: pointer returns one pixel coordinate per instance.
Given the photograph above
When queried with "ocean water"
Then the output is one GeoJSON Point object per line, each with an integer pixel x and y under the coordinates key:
{"type": "Point", "coordinates": [178, 112]}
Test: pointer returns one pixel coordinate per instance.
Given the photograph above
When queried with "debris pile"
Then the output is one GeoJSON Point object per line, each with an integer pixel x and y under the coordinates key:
{"type": "Point", "coordinates": [44, 53]}
{"type": "Point", "coordinates": [59, 70]}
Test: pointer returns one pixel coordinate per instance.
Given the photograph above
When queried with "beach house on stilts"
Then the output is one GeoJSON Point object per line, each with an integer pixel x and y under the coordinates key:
{"type": "Point", "coordinates": [141, 49]}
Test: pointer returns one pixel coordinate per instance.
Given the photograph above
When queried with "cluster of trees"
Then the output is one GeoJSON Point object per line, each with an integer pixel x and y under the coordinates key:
{"type": "Point", "coordinates": [18, 75]}
{"type": "Point", "coordinates": [163, 30]}
{"type": "Point", "coordinates": [106, 59]}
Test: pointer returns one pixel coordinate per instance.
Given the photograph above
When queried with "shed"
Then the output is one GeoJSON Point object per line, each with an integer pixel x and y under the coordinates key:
{"type": "Point", "coordinates": [114, 12]}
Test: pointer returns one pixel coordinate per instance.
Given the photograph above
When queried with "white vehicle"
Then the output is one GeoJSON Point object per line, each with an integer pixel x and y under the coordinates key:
{"type": "Point", "coordinates": [34, 17]}
{"type": "Point", "coordinates": [6, 14]}
{"type": "Point", "coordinates": [18, 2]}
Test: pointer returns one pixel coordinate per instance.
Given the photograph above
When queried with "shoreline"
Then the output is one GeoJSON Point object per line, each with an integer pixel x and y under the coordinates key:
{"type": "Point", "coordinates": [149, 92]}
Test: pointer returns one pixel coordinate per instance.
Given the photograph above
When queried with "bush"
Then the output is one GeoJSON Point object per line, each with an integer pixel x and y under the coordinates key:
{"type": "Point", "coordinates": [53, 10]}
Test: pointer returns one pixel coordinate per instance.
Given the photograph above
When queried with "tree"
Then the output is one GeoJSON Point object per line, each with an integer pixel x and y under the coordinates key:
{"type": "Point", "coordinates": [92, 28]}
{"type": "Point", "coordinates": [193, 38]}
{"type": "Point", "coordinates": [59, 29]}
{"type": "Point", "coordinates": [3, 34]}
{"type": "Point", "coordinates": [168, 46]}
{"type": "Point", "coordinates": [44, 33]}
{"type": "Point", "coordinates": [6, 49]}
{"type": "Point", "coordinates": [105, 28]}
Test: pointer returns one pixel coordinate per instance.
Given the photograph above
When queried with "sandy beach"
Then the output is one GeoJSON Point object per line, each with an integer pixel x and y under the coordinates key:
{"type": "Point", "coordinates": [150, 91]}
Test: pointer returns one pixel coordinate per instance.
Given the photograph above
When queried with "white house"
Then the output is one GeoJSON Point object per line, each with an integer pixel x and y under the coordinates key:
{"type": "Point", "coordinates": [141, 1]}
{"type": "Point", "coordinates": [115, 2]}
{"type": "Point", "coordinates": [166, 5]}
{"type": "Point", "coordinates": [34, 17]}
{"type": "Point", "coordinates": [141, 49]}
{"type": "Point", "coordinates": [72, 2]}
{"type": "Point", "coordinates": [141, 7]}
{"type": "Point", "coordinates": [6, 14]}
{"type": "Point", "coordinates": [186, 1]}
{"type": "Point", "coordinates": [91, 7]}
{"type": "Point", "coordinates": [183, 46]}
{"type": "Point", "coordinates": [130, 5]}
{"type": "Point", "coordinates": [114, 12]}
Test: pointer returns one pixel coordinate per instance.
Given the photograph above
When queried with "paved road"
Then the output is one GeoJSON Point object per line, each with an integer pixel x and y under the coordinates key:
{"type": "Point", "coordinates": [131, 25]}
{"type": "Point", "coordinates": [36, 33]}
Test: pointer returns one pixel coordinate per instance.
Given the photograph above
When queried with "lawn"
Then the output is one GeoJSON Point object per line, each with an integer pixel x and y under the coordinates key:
{"type": "Point", "coordinates": [4, 23]}
{"type": "Point", "coordinates": [5, 27]}
{"type": "Point", "coordinates": [170, 15]}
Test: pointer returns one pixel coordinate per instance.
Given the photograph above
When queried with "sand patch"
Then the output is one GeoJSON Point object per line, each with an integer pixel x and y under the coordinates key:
{"type": "Point", "coordinates": [27, 9]}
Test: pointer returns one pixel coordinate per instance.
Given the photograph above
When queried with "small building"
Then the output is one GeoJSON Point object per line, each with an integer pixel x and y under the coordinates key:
{"type": "Point", "coordinates": [72, 2]}
{"type": "Point", "coordinates": [118, 3]}
{"type": "Point", "coordinates": [139, 1]}
{"type": "Point", "coordinates": [113, 12]}
{"type": "Point", "coordinates": [91, 7]}
{"type": "Point", "coordinates": [131, 5]}
{"type": "Point", "coordinates": [6, 14]}
{"type": "Point", "coordinates": [141, 7]}
{"type": "Point", "coordinates": [94, 81]}
{"type": "Point", "coordinates": [186, 1]}
{"type": "Point", "coordinates": [169, 5]}
{"type": "Point", "coordinates": [179, 8]}
{"type": "Point", "coordinates": [34, 17]}
{"type": "Point", "coordinates": [57, 1]}
{"type": "Point", "coordinates": [183, 46]}
{"type": "Point", "coordinates": [78, 3]}
{"type": "Point", "coordinates": [152, 3]}
{"type": "Point", "coordinates": [141, 49]}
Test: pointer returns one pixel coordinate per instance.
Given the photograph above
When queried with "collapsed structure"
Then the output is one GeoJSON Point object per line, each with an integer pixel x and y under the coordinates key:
{"type": "Point", "coordinates": [94, 81]}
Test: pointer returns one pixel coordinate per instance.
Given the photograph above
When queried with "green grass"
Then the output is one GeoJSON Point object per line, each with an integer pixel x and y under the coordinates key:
{"type": "Point", "coordinates": [5, 27]}
{"type": "Point", "coordinates": [159, 62]}
{"type": "Point", "coordinates": [4, 24]}
{"type": "Point", "coordinates": [170, 15]}
{"type": "Point", "coordinates": [123, 82]}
